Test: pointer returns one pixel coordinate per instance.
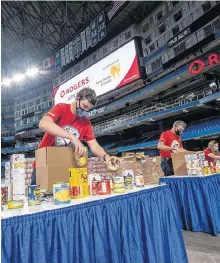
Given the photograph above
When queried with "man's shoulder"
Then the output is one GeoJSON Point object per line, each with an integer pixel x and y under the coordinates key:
{"type": "Point", "coordinates": [85, 120]}
{"type": "Point", "coordinates": [207, 150]}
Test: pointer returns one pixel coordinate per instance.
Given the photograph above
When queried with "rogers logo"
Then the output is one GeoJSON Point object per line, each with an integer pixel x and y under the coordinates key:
{"type": "Point", "coordinates": [76, 86]}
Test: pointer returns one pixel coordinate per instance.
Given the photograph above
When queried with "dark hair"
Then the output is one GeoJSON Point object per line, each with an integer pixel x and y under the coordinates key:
{"type": "Point", "coordinates": [88, 94]}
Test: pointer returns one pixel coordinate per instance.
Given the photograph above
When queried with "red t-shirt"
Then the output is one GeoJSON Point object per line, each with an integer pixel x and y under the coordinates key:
{"type": "Point", "coordinates": [207, 151]}
{"type": "Point", "coordinates": [169, 139]}
{"type": "Point", "coordinates": [79, 126]}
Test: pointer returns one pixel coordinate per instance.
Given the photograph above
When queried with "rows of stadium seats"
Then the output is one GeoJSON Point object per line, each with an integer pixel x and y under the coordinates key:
{"type": "Point", "coordinates": [145, 111]}
{"type": "Point", "coordinates": [209, 127]}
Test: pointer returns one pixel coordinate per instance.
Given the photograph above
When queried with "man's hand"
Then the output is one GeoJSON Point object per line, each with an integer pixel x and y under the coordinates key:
{"type": "Point", "coordinates": [112, 162]}
{"type": "Point", "coordinates": [79, 148]}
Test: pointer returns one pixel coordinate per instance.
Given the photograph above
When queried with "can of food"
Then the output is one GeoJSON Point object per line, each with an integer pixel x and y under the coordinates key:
{"type": "Point", "coordinates": [105, 187]}
{"type": "Point", "coordinates": [61, 193]}
{"type": "Point", "coordinates": [95, 187]}
{"type": "Point", "coordinates": [118, 185]}
{"type": "Point", "coordinates": [139, 180]}
{"type": "Point", "coordinates": [128, 179]}
{"type": "Point", "coordinates": [15, 204]}
{"type": "Point", "coordinates": [4, 195]}
{"type": "Point", "coordinates": [79, 186]}
{"type": "Point", "coordinates": [33, 195]}
{"type": "Point", "coordinates": [81, 161]}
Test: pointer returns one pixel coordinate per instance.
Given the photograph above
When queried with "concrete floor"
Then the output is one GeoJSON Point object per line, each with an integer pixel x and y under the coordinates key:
{"type": "Point", "coordinates": [202, 247]}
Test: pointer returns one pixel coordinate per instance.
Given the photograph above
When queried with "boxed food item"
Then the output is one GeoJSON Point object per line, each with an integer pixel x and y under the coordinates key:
{"type": "Point", "coordinates": [17, 163]}
{"type": "Point", "coordinates": [53, 164]}
{"type": "Point", "coordinates": [78, 181]}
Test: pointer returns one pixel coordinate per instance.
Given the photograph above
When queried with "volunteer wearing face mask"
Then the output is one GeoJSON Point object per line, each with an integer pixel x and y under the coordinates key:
{"type": "Point", "coordinates": [67, 125]}
{"type": "Point", "coordinates": [212, 152]}
{"type": "Point", "coordinates": [170, 142]}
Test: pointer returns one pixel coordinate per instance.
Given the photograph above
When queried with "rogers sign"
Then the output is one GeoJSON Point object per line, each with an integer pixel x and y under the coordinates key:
{"type": "Point", "coordinates": [75, 87]}
{"type": "Point", "coordinates": [114, 71]}
{"type": "Point", "coordinates": [198, 65]}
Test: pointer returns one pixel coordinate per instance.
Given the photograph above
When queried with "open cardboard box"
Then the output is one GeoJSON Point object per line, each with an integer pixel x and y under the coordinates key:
{"type": "Point", "coordinates": [179, 164]}
{"type": "Point", "coordinates": [53, 164]}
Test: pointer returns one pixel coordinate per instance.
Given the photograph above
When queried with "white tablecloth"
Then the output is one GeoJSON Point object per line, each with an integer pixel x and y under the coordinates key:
{"type": "Point", "coordinates": [50, 206]}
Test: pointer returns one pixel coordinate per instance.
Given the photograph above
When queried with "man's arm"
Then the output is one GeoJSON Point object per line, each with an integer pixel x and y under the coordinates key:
{"type": "Point", "coordinates": [96, 149]}
{"type": "Point", "coordinates": [100, 152]}
{"type": "Point", "coordinates": [47, 124]}
{"type": "Point", "coordinates": [214, 156]}
{"type": "Point", "coordinates": [162, 146]}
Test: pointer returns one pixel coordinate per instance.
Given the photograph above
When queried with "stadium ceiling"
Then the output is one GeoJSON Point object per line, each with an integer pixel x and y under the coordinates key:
{"type": "Point", "coordinates": [32, 30]}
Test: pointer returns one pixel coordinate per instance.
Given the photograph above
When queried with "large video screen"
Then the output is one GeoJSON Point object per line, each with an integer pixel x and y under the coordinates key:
{"type": "Point", "coordinates": [114, 71]}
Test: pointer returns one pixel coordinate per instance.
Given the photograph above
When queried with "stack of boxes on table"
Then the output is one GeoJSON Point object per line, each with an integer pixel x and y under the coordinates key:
{"type": "Point", "coordinates": [18, 173]}
{"type": "Point", "coordinates": [192, 164]}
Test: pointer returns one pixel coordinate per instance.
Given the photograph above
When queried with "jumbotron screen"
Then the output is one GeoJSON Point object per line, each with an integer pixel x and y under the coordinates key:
{"type": "Point", "coordinates": [114, 71]}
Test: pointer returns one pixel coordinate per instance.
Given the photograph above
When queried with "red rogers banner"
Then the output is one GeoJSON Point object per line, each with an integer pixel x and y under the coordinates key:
{"type": "Point", "coordinates": [114, 71]}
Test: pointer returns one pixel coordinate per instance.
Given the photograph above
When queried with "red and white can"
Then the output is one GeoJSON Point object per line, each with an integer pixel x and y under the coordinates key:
{"type": "Point", "coordinates": [105, 187]}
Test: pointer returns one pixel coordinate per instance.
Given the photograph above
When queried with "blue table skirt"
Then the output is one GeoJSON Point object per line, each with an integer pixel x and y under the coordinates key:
{"type": "Point", "coordinates": [198, 202]}
{"type": "Point", "coordinates": [139, 227]}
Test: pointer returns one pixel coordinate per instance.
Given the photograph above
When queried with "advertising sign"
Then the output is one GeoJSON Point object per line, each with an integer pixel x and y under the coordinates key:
{"type": "Point", "coordinates": [114, 71]}
{"type": "Point", "coordinates": [178, 37]}
{"type": "Point", "coordinates": [198, 65]}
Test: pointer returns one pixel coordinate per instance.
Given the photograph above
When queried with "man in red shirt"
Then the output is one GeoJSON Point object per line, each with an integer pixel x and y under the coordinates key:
{"type": "Point", "coordinates": [67, 125]}
{"type": "Point", "coordinates": [170, 142]}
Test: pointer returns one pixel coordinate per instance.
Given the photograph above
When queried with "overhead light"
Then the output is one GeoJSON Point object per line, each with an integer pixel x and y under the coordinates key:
{"type": "Point", "coordinates": [185, 110]}
{"type": "Point", "coordinates": [6, 82]}
{"type": "Point", "coordinates": [218, 99]}
{"type": "Point", "coordinates": [32, 72]}
{"type": "Point", "coordinates": [19, 77]}
{"type": "Point", "coordinates": [151, 120]}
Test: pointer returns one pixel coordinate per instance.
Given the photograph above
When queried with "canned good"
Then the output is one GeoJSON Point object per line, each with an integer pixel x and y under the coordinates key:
{"type": "Point", "coordinates": [119, 190]}
{"type": "Point", "coordinates": [95, 187]}
{"type": "Point", "coordinates": [105, 187]}
{"type": "Point", "coordinates": [61, 193]}
{"type": "Point", "coordinates": [79, 186]}
{"type": "Point", "coordinates": [128, 179]}
{"type": "Point", "coordinates": [15, 204]}
{"type": "Point", "coordinates": [4, 195]}
{"type": "Point", "coordinates": [118, 186]}
{"type": "Point", "coordinates": [139, 180]}
{"type": "Point", "coordinates": [80, 161]}
{"type": "Point", "coordinates": [33, 195]}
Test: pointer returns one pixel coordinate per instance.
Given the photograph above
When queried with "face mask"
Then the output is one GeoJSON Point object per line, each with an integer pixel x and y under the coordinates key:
{"type": "Point", "coordinates": [178, 133]}
{"type": "Point", "coordinates": [80, 112]}
{"type": "Point", "coordinates": [216, 148]}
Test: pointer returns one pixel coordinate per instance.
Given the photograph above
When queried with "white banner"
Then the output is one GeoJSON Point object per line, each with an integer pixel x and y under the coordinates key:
{"type": "Point", "coordinates": [114, 71]}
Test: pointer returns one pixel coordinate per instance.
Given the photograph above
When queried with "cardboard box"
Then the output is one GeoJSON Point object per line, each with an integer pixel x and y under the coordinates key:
{"type": "Point", "coordinates": [179, 163]}
{"type": "Point", "coordinates": [53, 164]}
